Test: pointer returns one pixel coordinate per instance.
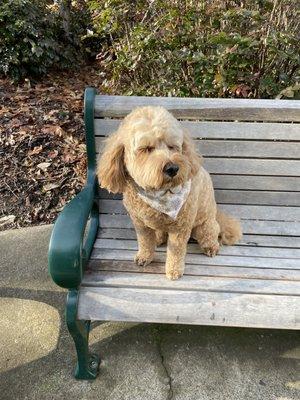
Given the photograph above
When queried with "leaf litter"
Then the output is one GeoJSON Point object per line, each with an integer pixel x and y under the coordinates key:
{"type": "Point", "coordinates": [42, 146]}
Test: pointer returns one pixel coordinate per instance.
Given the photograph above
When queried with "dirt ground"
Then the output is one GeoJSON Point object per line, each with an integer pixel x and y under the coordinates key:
{"type": "Point", "coordinates": [42, 150]}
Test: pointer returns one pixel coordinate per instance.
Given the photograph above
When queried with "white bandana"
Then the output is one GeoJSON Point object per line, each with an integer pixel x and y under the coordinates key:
{"type": "Point", "coordinates": [168, 201]}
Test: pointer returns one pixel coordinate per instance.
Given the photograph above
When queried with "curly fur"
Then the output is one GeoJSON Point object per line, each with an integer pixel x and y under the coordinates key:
{"type": "Point", "coordinates": [148, 139]}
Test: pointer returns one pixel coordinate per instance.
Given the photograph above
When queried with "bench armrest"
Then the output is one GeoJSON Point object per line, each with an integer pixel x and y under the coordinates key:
{"type": "Point", "coordinates": [68, 253]}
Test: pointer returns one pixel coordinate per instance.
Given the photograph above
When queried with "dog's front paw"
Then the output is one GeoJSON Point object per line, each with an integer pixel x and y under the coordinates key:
{"type": "Point", "coordinates": [142, 260]}
{"type": "Point", "coordinates": [174, 275]}
{"type": "Point", "coordinates": [212, 250]}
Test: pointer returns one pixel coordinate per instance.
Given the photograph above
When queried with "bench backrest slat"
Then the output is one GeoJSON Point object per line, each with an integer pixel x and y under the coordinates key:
{"type": "Point", "coordinates": [199, 108]}
{"type": "Point", "coordinates": [220, 130]}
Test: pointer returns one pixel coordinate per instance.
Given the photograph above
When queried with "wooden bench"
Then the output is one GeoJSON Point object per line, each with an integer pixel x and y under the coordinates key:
{"type": "Point", "coordinates": [252, 149]}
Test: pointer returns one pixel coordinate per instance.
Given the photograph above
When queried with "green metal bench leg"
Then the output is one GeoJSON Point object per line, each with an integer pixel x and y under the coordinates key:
{"type": "Point", "coordinates": [88, 364]}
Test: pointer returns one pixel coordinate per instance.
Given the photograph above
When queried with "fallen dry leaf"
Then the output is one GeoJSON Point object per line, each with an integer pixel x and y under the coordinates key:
{"type": "Point", "coordinates": [8, 219]}
{"type": "Point", "coordinates": [50, 186]}
{"type": "Point", "coordinates": [43, 165]}
{"type": "Point", "coordinates": [35, 150]}
{"type": "Point", "coordinates": [53, 154]}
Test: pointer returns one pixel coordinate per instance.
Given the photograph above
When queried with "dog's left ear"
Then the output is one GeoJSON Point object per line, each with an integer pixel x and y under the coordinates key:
{"type": "Point", "coordinates": [189, 150]}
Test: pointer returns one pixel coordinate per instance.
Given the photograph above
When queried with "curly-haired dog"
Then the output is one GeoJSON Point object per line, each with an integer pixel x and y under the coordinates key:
{"type": "Point", "coordinates": [168, 194]}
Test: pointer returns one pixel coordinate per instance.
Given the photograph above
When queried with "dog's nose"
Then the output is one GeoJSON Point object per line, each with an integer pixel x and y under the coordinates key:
{"type": "Point", "coordinates": [171, 169]}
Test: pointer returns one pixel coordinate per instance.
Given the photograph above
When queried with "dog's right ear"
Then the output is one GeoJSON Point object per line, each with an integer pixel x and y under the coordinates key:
{"type": "Point", "coordinates": [111, 168]}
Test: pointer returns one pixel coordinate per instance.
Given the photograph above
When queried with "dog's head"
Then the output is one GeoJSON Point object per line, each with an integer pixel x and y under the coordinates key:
{"type": "Point", "coordinates": [152, 148]}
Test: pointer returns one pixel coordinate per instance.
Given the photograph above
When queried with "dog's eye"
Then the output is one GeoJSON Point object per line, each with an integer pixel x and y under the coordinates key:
{"type": "Point", "coordinates": [170, 147]}
{"type": "Point", "coordinates": [149, 149]}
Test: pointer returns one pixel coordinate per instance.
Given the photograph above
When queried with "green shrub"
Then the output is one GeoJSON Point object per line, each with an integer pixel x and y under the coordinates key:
{"type": "Point", "coordinates": [212, 48]}
{"type": "Point", "coordinates": [32, 38]}
{"type": "Point", "coordinates": [205, 48]}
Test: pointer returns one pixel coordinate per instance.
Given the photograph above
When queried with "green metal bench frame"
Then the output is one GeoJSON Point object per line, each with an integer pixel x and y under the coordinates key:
{"type": "Point", "coordinates": [69, 252]}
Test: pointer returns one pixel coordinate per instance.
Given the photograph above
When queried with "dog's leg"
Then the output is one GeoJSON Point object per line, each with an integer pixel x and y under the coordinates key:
{"type": "Point", "coordinates": [146, 242]}
{"type": "Point", "coordinates": [161, 237]}
{"type": "Point", "coordinates": [176, 251]}
{"type": "Point", "coordinates": [206, 235]}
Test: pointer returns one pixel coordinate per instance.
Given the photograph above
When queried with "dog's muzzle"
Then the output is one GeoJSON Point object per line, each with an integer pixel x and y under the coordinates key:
{"type": "Point", "coordinates": [171, 169]}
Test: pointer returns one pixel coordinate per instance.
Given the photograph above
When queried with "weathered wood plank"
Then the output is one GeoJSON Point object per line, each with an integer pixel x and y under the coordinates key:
{"type": "Point", "coordinates": [220, 130]}
{"type": "Point", "coordinates": [279, 228]}
{"type": "Point", "coordinates": [189, 307]}
{"type": "Point", "coordinates": [292, 242]}
{"type": "Point", "coordinates": [197, 283]}
{"type": "Point", "coordinates": [240, 166]}
{"type": "Point", "coordinates": [201, 259]}
{"type": "Point", "coordinates": [250, 240]}
{"type": "Point", "coordinates": [94, 271]}
{"type": "Point", "coordinates": [250, 212]}
{"type": "Point", "coordinates": [250, 197]}
{"type": "Point", "coordinates": [237, 148]}
{"type": "Point", "coordinates": [253, 182]}
{"type": "Point", "coordinates": [244, 166]}
{"type": "Point", "coordinates": [116, 233]}
{"type": "Point", "coordinates": [257, 197]}
{"type": "Point", "coordinates": [243, 148]}
{"type": "Point", "coordinates": [249, 183]}
{"type": "Point", "coordinates": [193, 248]}
{"type": "Point", "coordinates": [201, 108]}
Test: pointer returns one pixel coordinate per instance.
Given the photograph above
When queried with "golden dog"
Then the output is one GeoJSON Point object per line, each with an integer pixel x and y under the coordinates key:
{"type": "Point", "coordinates": [152, 160]}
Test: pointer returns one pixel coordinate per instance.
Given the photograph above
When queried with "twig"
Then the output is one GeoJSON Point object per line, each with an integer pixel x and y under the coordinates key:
{"type": "Point", "coordinates": [12, 192]}
{"type": "Point", "coordinates": [264, 50]}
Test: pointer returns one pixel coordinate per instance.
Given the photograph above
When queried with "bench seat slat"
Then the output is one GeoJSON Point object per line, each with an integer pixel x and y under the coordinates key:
{"type": "Point", "coordinates": [189, 307]}
{"type": "Point", "coordinates": [195, 283]}
{"type": "Point", "coordinates": [200, 108]}
{"type": "Point", "coordinates": [200, 259]}
{"type": "Point", "coordinates": [249, 240]}
{"type": "Point", "coordinates": [193, 248]}
{"type": "Point", "coordinates": [96, 267]}
{"type": "Point", "coordinates": [221, 130]}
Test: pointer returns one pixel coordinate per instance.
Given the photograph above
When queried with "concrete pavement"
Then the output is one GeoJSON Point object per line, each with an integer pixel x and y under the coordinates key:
{"type": "Point", "coordinates": [139, 361]}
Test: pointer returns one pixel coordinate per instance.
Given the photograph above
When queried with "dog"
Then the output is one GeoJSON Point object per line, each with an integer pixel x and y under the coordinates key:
{"type": "Point", "coordinates": [168, 194]}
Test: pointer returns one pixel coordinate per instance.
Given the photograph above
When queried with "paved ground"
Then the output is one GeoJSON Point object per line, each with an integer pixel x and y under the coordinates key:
{"type": "Point", "coordinates": [140, 361]}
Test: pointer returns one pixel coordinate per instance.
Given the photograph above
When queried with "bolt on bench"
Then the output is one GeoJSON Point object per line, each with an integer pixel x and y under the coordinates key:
{"type": "Point", "coordinates": [252, 150]}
